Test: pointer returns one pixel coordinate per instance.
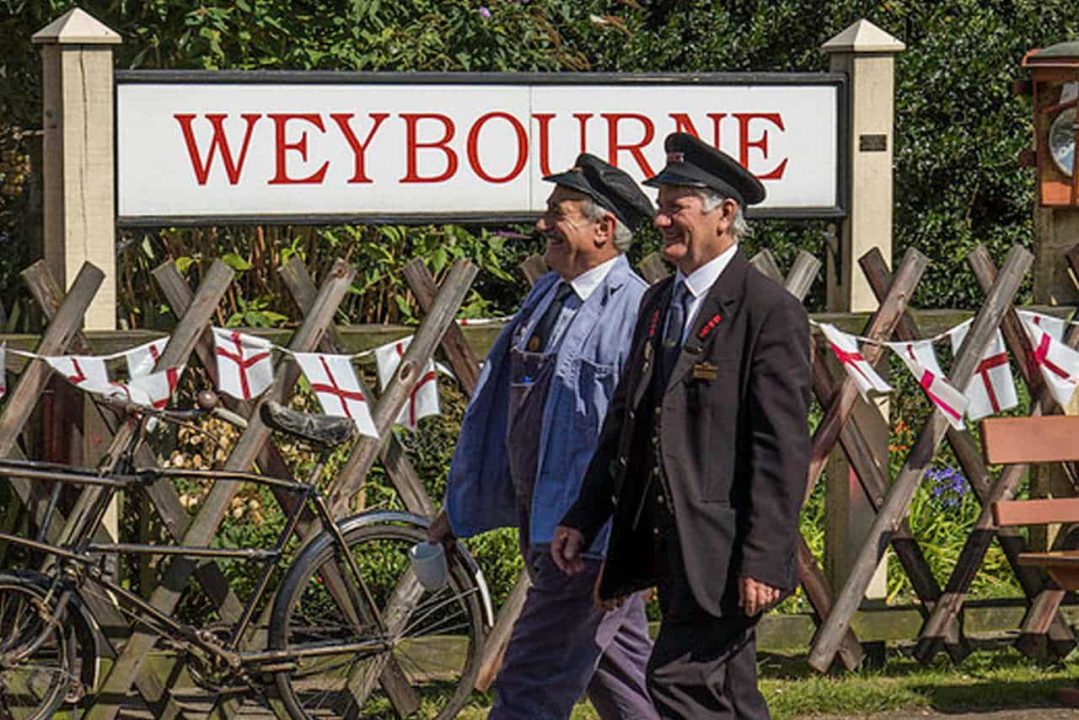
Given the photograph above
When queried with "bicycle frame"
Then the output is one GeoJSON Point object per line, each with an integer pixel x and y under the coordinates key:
{"type": "Point", "coordinates": [77, 553]}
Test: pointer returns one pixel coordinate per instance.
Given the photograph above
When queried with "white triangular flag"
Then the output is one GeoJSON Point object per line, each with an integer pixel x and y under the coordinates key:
{"type": "Point", "coordinates": [85, 372]}
{"type": "Point", "coordinates": [155, 389]}
{"type": "Point", "coordinates": [333, 378]}
{"type": "Point", "coordinates": [850, 357]}
{"type": "Point", "coordinates": [423, 400]}
{"type": "Point", "coordinates": [143, 359]}
{"type": "Point", "coordinates": [992, 387]}
{"type": "Point", "coordinates": [1058, 363]}
{"type": "Point", "coordinates": [1053, 325]}
{"type": "Point", "coordinates": [244, 363]}
{"type": "Point", "coordinates": [921, 360]}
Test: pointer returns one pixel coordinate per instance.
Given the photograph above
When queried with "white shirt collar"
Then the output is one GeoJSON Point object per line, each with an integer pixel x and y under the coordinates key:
{"type": "Point", "coordinates": [586, 283]}
{"type": "Point", "coordinates": [700, 280]}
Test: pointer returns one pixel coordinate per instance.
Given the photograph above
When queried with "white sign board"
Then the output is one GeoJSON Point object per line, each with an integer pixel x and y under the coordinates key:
{"type": "Point", "coordinates": [199, 147]}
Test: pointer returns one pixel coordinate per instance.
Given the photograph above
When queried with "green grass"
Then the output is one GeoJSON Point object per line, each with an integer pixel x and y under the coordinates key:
{"type": "Point", "coordinates": [987, 680]}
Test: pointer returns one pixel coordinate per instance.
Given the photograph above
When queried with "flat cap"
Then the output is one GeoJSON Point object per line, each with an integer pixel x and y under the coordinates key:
{"type": "Point", "coordinates": [695, 163]}
{"type": "Point", "coordinates": [611, 189]}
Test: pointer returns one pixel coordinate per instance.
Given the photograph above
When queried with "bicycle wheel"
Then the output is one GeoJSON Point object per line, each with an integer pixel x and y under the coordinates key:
{"type": "Point", "coordinates": [430, 653]}
{"type": "Point", "coordinates": [36, 651]}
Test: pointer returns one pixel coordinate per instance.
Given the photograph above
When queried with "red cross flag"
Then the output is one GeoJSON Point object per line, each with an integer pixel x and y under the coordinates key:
{"type": "Point", "coordinates": [244, 363]}
{"type": "Point", "coordinates": [921, 359]}
{"type": "Point", "coordinates": [1058, 363]}
{"type": "Point", "coordinates": [423, 400]}
{"type": "Point", "coordinates": [333, 379]}
{"type": "Point", "coordinates": [85, 372]}
{"type": "Point", "coordinates": [90, 374]}
{"type": "Point", "coordinates": [143, 359]}
{"type": "Point", "coordinates": [155, 389]}
{"type": "Point", "coordinates": [850, 356]}
{"type": "Point", "coordinates": [992, 389]}
{"type": "Point", "coordinates": [1053, 325]}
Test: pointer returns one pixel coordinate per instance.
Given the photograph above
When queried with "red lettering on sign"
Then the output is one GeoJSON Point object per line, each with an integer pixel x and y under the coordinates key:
{"type": "Point", "coordinates": [682, 123]}
{"type": "Point", "coordinates": [358, 148]}
{"type": "Point", "coordinates": [582, 120]}
{"type": "Point", "coordinates": [474, 141]}
{"type": "Point", "coordinates": [300, 146]}
{"type": "Point", "coordinates": [544, 120]}
{"type": "Point", "coordinates": [761, 143]}
{"type": "Point", "coordinates": [219, 144]}
{"type": "Point", "coordinates": [634, 149]}
{"type": "Point", "coordinates": [413, 145]}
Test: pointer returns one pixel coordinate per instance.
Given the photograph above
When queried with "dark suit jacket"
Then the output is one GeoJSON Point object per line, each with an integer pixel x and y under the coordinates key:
{"type": "Point", "coordinates": [734, 443]}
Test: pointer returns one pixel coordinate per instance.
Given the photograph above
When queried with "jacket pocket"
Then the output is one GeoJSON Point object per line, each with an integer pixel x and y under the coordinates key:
{"type": "Point", "coordinates": [596, 383]}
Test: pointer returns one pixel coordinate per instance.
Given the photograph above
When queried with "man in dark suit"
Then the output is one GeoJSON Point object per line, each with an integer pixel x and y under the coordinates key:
{"type": "Point", "coordinates": [705, 448]}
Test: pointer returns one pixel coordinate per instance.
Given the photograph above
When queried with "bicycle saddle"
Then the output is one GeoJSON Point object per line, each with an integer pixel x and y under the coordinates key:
{"type": "Point", "coordinates": [320, 429]}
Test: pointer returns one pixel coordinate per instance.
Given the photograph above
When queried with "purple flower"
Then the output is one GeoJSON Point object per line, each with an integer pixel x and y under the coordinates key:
{"type": "Point", "coordinates": [949, 486]}
{"type": "Point", "coordinates": [484, 13]}
{"type": "Point", "coordinates": [512, 235]}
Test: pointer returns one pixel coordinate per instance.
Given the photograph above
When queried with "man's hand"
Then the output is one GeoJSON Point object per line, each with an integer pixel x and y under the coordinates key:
{"type": "Point", "coordinates": [600, 603]}
{"type": "Point", "coordinates": [439, 531]}
{"type": "Point", "coordinates": [754, 596]}
{"type": "Point", "coordinates": [566, 549]}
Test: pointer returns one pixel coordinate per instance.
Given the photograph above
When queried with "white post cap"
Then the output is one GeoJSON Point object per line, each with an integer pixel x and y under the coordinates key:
{"type": "Point", "coordinates": [863, 37]}
{"type": "Point", "coordinates": [76, 27]}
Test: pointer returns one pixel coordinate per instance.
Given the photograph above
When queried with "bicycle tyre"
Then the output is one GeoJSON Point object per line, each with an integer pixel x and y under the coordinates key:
{"type": "Point", "coordinates": [33, 687]}
{"type": "Point", "coordinates": [305, 615]}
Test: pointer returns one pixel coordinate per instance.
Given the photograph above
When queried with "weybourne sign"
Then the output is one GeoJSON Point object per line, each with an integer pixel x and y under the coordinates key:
{"type": "Point", "coordinates": [193, 148]}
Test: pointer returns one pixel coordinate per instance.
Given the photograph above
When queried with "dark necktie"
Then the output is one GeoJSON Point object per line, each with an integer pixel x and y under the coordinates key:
{"type": "Point", "coordinates": [541, 335]}
{"type": "Point", "coordinates": [672, 333]}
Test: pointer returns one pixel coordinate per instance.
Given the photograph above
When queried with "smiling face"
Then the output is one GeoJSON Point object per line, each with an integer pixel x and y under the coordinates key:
{"type": "Point", "coordinates": [575, 243]}
{"type": "Point", "coordinates": [691, 234]}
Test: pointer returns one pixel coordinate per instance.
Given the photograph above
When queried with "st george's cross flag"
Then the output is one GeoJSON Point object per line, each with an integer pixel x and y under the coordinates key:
{"type": "Point", "coordinates": [992, 388]}
{"type": "Point", "coordinates": [423, 399]}
{"type": "Point", "coordinates": [244, 363]}
{"type": "Point", "coordinates": [90, 374]}
{"type": "Point", "coordinates": [143, 359]}
{"type": "Point", "coordinates": [1058, 363]}
{"type": "Point", "coordinates": [845, 347]}
{"type": "Point", "coordinates": [1053, 325]}
{"type": "Point", "coordinates": [333, 379]}
{"type": "Point", "coordinates": [85, 372]}
{"type": "Point", "coordinates": [921, 360]}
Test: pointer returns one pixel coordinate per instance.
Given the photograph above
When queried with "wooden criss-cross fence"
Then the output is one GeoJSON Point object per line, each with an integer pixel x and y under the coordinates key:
{"type": "Point", "coordinates": [1044, 628]}
{"type": "Point", "coordinates": [1043, 625]}
{"type": "Point", "coordinates": [192, 334]}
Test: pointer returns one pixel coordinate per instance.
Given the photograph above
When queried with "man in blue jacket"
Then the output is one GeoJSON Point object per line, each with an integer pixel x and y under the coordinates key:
{"type": "Point", "coordinates": [526, 440]}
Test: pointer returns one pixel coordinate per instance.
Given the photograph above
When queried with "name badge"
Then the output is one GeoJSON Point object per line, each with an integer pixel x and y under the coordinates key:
{"type": "Point", "coordinates": [705, 371]}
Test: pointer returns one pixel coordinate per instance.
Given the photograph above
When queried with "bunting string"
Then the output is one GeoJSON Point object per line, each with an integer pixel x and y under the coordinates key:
{"type": "Point", "coordinates": [245, 368]}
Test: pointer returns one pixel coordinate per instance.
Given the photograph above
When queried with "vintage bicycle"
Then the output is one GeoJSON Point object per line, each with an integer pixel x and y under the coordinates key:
{"type": "Point", "coordinates": [348, 631]}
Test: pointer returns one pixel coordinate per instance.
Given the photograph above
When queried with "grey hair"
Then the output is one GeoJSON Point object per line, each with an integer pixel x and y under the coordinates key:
{"type": "Point", "coordinates": [623, 237]}
{"type": "Point", "coordinates": [710, 200]}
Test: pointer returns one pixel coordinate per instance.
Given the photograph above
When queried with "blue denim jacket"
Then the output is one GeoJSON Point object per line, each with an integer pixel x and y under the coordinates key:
{"type": "Point", "coordinates": [480, 494]}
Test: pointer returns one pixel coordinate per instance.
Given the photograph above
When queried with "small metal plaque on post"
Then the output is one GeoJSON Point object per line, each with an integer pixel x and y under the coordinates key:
{"type": "Point", "coordinates": [873, 142]}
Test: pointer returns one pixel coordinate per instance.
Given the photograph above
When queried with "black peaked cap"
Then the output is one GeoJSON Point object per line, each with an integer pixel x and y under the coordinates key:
{"type": "Point", "coordinates": [610, 188]}
{"type": "Point", "coordinates": [697, 164]}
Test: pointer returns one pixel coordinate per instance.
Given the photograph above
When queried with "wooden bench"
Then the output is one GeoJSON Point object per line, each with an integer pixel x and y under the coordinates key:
{"type": "Point", "coordinates": [1049, 438]}
{"type": "Point", "coordinates": [1025, 440]}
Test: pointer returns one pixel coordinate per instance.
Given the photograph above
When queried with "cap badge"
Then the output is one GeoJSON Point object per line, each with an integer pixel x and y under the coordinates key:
{"type": "Point", "coordinates": [676, 157]}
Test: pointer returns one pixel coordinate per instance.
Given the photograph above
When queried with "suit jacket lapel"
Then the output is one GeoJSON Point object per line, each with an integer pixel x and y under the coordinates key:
{"type": "Point", "coordinates": [719, 303]}
{"type": "Point", "coordinates": [655, 315]}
